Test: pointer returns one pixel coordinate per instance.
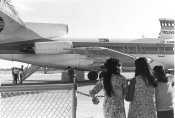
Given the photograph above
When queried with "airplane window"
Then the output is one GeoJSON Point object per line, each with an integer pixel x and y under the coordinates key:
{"type": "Point", "coordinates": [165, 24]}
{"type": "Point", "coordinates": [168, 49]}
{"type": "Point", "coordinates": [172, 24]}
{"type": "Point", "coordinates": [162, 24]}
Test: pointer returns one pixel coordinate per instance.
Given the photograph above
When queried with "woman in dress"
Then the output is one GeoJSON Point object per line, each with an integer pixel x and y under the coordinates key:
{"type": "Point", "coordinates": [164, 93]}
{"type": "Point", "coordinates": [113, 84]}
{"type": "Point", "coordinates": [143, 103]}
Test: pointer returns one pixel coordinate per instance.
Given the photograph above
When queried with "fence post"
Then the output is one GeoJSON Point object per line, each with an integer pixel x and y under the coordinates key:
{"type": "Point", "coordinates": [74, 99]}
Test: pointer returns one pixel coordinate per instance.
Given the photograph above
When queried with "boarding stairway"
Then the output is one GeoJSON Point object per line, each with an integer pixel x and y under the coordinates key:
{"type": "Point", "coordinates": [29, 71]}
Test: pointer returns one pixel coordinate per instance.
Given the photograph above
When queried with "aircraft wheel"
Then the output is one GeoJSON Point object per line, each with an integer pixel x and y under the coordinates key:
{"type": "Point", "coordinates": [92, 75]}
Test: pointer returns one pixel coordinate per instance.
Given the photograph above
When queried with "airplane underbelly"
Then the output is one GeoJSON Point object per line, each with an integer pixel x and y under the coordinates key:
{"type": "Point", "coordinates": [61, 60]}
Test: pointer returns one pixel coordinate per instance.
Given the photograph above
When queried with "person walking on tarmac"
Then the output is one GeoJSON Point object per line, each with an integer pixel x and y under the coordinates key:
{"type": "Point", "coordinates": [71, 74]}
{"type": "Point", "coordinates": [15, 75]}
{"type": "Point", "coordinates": [20, 75]}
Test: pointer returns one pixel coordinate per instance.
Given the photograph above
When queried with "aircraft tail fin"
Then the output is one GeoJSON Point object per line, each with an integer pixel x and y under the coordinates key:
{"type": "Point", "coordinates": [13, 30]}
{"type": "Point", "coordinates": [167, 28]}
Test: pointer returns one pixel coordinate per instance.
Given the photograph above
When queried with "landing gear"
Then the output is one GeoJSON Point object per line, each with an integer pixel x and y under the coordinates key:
{"type": "Point", "coordinates": [92, 75]}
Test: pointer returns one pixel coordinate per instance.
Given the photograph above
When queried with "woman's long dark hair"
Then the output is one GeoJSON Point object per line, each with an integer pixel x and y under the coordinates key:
{"type": "Point", "coordinates": [159, 73]}
{"type": "Point", "coordinates": [143, 68]}
{"type": "Point", "coordinates": [111, 66]}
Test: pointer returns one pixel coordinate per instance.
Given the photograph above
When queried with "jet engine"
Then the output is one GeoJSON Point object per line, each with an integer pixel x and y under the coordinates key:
{"type": "Point", "coordinates": [52, 47]}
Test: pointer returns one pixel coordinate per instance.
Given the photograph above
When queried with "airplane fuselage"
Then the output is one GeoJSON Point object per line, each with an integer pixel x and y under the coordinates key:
{"type": "Point", "coordinates": [163, 54]}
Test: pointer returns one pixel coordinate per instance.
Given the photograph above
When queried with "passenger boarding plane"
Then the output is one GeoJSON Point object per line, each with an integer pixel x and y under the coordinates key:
{"type": "Point", "coordinates": [40, 44]}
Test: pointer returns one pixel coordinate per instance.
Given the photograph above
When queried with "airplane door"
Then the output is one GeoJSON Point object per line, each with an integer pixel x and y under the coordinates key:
{"type": "Point", "coordinates": [161, 50]}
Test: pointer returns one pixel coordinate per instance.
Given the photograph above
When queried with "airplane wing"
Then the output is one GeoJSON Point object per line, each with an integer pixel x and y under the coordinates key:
{"type": "Point", "coordinates": [99, 55]}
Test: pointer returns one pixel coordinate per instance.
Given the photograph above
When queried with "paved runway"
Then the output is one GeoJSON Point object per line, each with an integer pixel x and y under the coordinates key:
{"type": "Point", "coordinates": [45, 96]}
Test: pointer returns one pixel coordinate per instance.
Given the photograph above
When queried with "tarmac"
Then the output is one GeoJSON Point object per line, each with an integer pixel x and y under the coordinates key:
{"type": "Point", "coordinates": [46, 96]}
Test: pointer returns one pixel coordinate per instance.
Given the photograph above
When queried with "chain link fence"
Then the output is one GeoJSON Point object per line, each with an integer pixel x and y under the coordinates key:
{"type": "Point", "coordinates": [49, 101]}
{"type": "Point", "coordinates": [36, 104]}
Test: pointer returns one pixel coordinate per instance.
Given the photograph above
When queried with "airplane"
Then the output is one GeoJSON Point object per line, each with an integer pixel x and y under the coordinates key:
{"type": "Point", "coordinates": [40, 44]}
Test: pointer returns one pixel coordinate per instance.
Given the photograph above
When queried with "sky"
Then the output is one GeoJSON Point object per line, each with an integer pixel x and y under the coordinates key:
{"type": "Point", "coordinates": [125, 19]}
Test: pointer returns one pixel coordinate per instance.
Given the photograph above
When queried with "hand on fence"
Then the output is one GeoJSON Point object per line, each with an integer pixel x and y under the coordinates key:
{"type": "Point", "coordinates": [95, 100]}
